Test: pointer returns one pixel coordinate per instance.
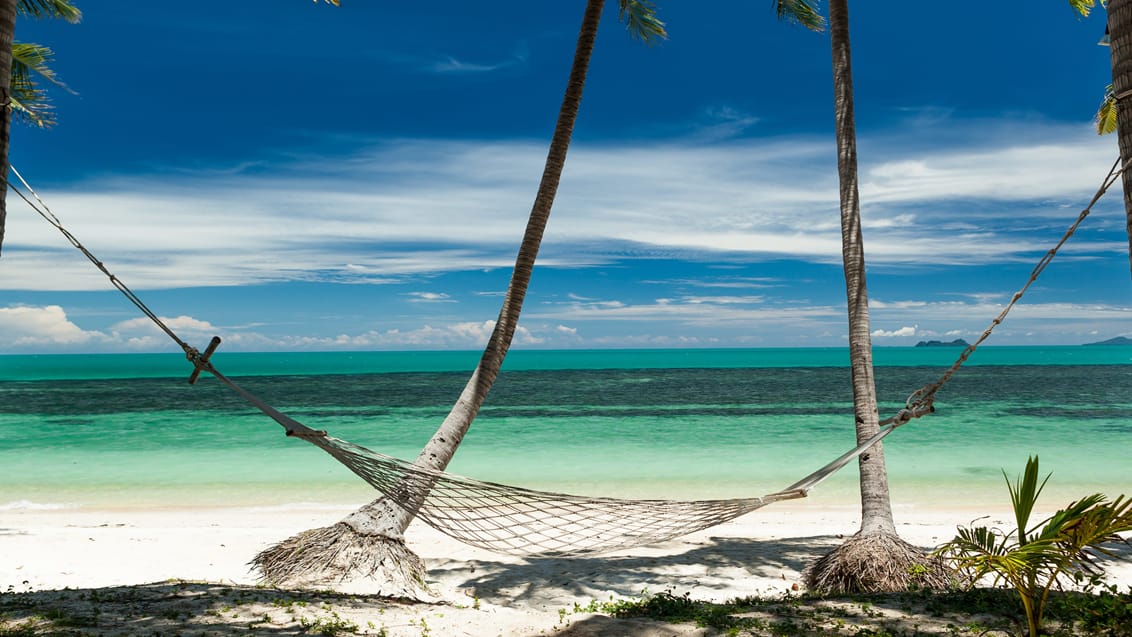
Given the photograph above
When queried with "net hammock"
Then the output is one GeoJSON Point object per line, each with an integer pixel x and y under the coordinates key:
{"type": "Point", "coordinates": [511, 519]}
{"type": "Point", "coordinates": [518, 521]}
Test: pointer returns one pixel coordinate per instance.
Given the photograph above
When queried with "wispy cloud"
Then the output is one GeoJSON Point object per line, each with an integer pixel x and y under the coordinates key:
{"type": "Point", "coordinates": [412, 206]}
{"type": "Point", "coordinates": [407, 213]}
{"type": "Point", "coordinates": [452, 64]}
{"type": "Point", "coordinates": [430, 297]}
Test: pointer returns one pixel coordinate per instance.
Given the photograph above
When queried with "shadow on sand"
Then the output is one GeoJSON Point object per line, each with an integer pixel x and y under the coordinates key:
{"type": "Point", "coordinates": [180, 608]}
{"type": "Point", "coordinates": [709, 566]}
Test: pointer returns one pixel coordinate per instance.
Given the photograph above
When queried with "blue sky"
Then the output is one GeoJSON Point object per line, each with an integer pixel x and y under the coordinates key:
{"type": "Point", "coordinates": [295, 176]}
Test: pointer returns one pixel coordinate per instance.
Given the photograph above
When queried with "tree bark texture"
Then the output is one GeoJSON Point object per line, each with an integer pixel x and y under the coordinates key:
{"type": "Point", "coordinates": [876, 510]}
{"type": "Point", "coordinates": [7, 34]}
{"type": "Point", "coordinates": [1120, 41]}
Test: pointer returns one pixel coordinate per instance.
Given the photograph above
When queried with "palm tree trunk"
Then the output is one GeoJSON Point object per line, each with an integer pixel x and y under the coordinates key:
{"type": "Point", "coordinates": [1120, 38]}
{"type": "Point", "coordinates": [875, 559]}
{"type": "Point", "coordinates": [372, 538]}
{"type": "Point", "coordinates": [7, 34]}
{"type": "Point", "coordinates": [876, 511]}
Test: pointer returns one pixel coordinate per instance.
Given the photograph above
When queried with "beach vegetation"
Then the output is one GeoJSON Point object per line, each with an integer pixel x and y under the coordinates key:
{"type": "Point", "coordinates": [1033, 559]}
{"type": "Point", "coordinates": [328, 625]}
{"type": "Point", "coordinates": [977, 612]}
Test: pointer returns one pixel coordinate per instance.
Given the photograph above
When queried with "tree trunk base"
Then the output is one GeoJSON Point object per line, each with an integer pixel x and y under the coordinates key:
{"type": "Point", "coordinates": [333, 556]}
{"type": "Point", "coordinates": [876, 563]}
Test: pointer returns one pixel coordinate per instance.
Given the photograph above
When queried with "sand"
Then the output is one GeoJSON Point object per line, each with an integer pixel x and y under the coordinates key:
{"type": "Point", "coordinates": [184, 571]}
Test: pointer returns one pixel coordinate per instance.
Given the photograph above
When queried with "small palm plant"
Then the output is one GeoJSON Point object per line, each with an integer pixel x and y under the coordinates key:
{"type": "Point", "coordinates": [1034, 559]}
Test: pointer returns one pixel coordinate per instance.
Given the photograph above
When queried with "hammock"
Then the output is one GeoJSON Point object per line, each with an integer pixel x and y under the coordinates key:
{"type": "Point", "coordinates": [511, 519]}
{"type": "Point", "coordinates": [518, 521]}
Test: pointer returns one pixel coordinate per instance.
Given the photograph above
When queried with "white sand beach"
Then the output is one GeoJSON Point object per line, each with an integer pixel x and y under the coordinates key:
{"type": "Point", "coordinates": [186, 570]}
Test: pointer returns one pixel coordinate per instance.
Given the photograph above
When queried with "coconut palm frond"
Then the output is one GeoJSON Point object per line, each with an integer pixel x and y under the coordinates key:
{"type": "Point", "coordinates": [62, 9]}
{"type": "Point", "coordinates": [30, 102]}
{"type": "Point", "coordinates": [1097, 524]}
{"type": "Point", "coordinates": [1083, 7]}
{"type": "Point", "coordinates": [1105, 118]}
{"type": "Point", "coordinates": [1024, 492]}
{"type": "Point", "coordinates": [802, 12]}
{"type": "Point", "coordinates": [31, 105]}
{"type": "Point", "coordinates": [640, 19]}
{"type": "Point", "coordinates": [29, 58]}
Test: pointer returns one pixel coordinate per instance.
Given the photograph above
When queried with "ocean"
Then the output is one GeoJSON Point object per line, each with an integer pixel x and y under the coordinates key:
{"type": "Point", "coordinates": [127, 430]}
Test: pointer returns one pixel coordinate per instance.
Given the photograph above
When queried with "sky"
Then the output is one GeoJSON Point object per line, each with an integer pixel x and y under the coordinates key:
{"type": "Point", "coordinates": [291, 176]}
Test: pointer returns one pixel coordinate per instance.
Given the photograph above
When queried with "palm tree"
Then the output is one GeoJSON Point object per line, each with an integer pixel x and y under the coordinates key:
{"type": "Point", "coordinates": [1120, 42]}
{"type": "Point", "coordinates": [875, 559]}
{"type": "Point", "coordinates": [7, 31]}
{"type": "Point", "coordinates": [1034, 559]}
{"type": "Point", "coordinates": [369, 543]}
{"type": "Point", "coordinates": [18, 62]}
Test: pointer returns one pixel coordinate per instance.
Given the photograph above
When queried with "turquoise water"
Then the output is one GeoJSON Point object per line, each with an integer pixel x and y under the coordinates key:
{"type": "Point", "coordinates": [127, 430]}
{"type": "Point", "coordinates": [50, 367]}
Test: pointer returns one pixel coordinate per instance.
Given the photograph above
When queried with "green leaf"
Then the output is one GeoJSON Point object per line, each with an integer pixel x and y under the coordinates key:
{"type": "Point", "coordinates": [1106, 114]}
{"type": "Point", "coordinates": [803, 12]}
{"type": "Point", "coordinates": [640, 19]}
{"type": "Point", "coordinates": [62, 9]}
{"type": "Point", "coordinates": [29, 101]}
{"type": "Point", "coordinates": [1066, 544]}
{"type": "Point", "coordinates": [1024, 493]}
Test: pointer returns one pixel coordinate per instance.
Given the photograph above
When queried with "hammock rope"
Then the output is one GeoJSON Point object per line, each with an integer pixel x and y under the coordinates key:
{"type": "Point", "coordinates": [510, 519]}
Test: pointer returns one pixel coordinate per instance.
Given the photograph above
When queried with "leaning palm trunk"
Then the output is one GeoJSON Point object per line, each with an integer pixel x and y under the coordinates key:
{"type": "Point", "coordinates": [875, 559]}
{"type": "Point", "coordinates": [369, 543]}
{"type": "Point", "coordinates": [7, 33]}
{"type": "Point", "coordinates": [1120, 38]}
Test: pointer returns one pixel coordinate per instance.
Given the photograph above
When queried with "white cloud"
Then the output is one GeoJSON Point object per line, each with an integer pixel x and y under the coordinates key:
{"type": "Point", "coordinates": [463, 335]}
{"type": "Point", "coordinates": [904, 331]}
{"type": "Point", "coordinates": [724, 300]}
{"type": "Point", "coordinates": [177, 324]}
{"type": "Point", "coordinates": [25, 326]}
{"type": "Point", "coordinates": [406, 207]}
{"type": "Point", "coordinates": [430, 297]}
{"type": "Point", "coordinates": [49, 326]}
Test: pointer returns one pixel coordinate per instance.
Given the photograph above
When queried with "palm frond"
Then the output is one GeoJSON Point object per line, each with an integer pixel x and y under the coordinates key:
{"type": "Point", "coordinates": [31, 105]}
{"type": "Point", "coordinates": [1024, 492]}
{"type": "Point", "coordinates": [30, 102]}
{"type": "Point", "coordinates": [1106, 114]}
{"type": "Point", "coordinates": [1083, 7]}
{"type": "Point", "coordinates": [62, 9]}
{"type": "Point", "coordinates": [1097, 523]}
{"type": "Point", "coordinates": [34, 58]}
{"type": "Point", "coordinates": [802, 12]}
{"type": "Point", "coordinates": [640, 19]}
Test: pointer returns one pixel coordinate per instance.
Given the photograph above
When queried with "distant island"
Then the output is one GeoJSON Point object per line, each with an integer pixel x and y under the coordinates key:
{"type": "Point", "coordinates": [1119, 340]}
{"type": "Point", "coordinates": [956, 343]}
